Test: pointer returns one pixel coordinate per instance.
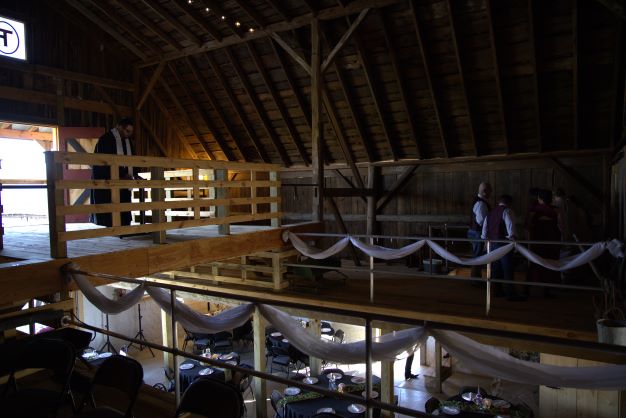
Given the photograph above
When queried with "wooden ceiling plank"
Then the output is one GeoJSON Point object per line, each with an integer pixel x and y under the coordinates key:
{"type": "Point", "coordinates": [187, 118]}
{"type": "Point", "coordinates": [237, 106]}
{"type": "Point", "coordinates": [292, 52]}
{"type": "Point", "coordinates": [144, 20]}
{"type": "Point", "coordinates": [429, 81]}
{"type": "Point", "coordinates": [198, 20]}
{"type": "Point", "coordinates": [217, 9]}
{"type": "Point", "coordinates": [106, 27]}
{"type": "Point", "coordinates": [258, 107]}
{"type": "Point", "coordinates": [292, 84]}
{"type": "Point", "coordinates": [344, 39]}
{"type": "Point", "coordinates": [167, 16]}
{"type": "Point", "coordinates": [376, 93]}
{"type": "Point", "coordinates": [497, 75]}
{"type": "Point", "coordinates": [279, 9]}
{"type": "Point", "coordinates": [573, 176]}
{"type": "Point", "coordinates": [533, 63]}
{"type": "Point", "coordinates": [459, 61]}
{"type": "Point", "coordinates": [206, 90]}
{"type": "Point", "coordinates": [269, 84]}
{"type": "Point", "coordinates": [114, 16]}
{"type": "Point", "coordinates": [151, 84]}
{"type": "Point", "coordinates": [258, 20]}
{"type": "Point", "coordinates": [206, 119]}
{"type": "Point", "coordinates": [330, 13]}
{"type": "Point", "coordinates": [403, 88]}
{"type": "Point", "coordinates": [174, 123]}
{"type": "Point", "coordinates": [341, 139]}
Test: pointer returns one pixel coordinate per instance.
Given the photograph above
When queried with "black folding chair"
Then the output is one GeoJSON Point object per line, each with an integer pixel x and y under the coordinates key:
{"type": "Point", "coordinates": [275, 398]}
{"type": "Point", "coordinates": [211, 398]}
{"type": "Point", "coordinates": [114, 389]}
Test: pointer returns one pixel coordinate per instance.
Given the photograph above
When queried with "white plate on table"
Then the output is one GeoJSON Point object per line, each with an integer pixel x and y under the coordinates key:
{"type": "Point", "coordinates": [228, 356]}
{"type": "Point", "coordinates": [231, 362]}
{"type": "Point", "coordinates": [468, 396]}
{"type": "Point", "coordinates": [334, 375]}
{"type": "Point", "coordinates": [310, 380]}
{"type": "Point", "coordinates": [325, 410]}
{"type": "Point", "coordinates": [500, 403]}
{"type": "Point", "coordinates": [356, 408]}
{"type": "Point", "coordinates": [292, 391]}
{"type": "Point", "coordinates": [285, 340]}
{"type": "Point", "coordinates": [373, 394]}
{"type": "Point", "coordinates": [186, 366]}
{"type": "Point", "coordinates": [276, 334]}
{"type": "Point", "coordinates": [450, 410]}
{"type": "Point", "coordinates": [326, 330]}
{"type": "Point", "coordinates": [358, 380]}
{"type": "Point", "coordinates": [105, 355]}
{"type": "Point", "coordinates": [205, 372]}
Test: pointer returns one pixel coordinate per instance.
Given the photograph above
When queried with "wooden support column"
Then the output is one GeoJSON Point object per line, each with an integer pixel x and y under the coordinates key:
{"type": "Point", "coordinates": [274, 206]}
{"type": "Point", "coordinates": [315, 364]}
{"type": "Point", "coordinates": [56, 197]}
{"type": "Point", "coordinates": [260, 389]}
{"type": "Point", "coordinates": [140, 147]}
{"type": "Point", "coordinates": [343, 228]}
{"type": "Point", "coordinates": [60, 101]}
{"type": "Point", "coordinates": [386, 380]}
{"type": "Point", "coordinates": [158, 195]}
{"type": "Point", "coordinates": [222, 193]}
{"type": "Point", "coordinates": [372, 177]}
{"type": "Point", "coordinates": [316, 122]}
{"type": "Point", "coordinates": [168, 341]}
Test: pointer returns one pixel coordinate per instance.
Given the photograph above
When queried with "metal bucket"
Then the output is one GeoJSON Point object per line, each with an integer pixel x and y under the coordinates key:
{"type": "Point", "coordinates": [611, 331]}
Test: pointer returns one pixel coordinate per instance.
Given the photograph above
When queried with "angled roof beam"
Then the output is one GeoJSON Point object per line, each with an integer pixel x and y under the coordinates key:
{"type": "Point", "coordinates": [206, 90]}
{"type": "Point", "coordinates": [329, 13]}
{"type": "Point", "coordinates": [429, 81]}
{"type": "Point", "coordinates": [344, 39]}
{"type": "Point", "coordinates": [105, 26]}
{"type": "Point", "coordinates": [187, 118]}
{"type": "Point", "coordinates": [497, 75]}
{"type": "Point", "coordinates": [206, 119]}
{"type": "Point", "coordinates": [174, 123]}
{"type": "Point", "coordinates": [215, 7]}
{"type": "Point", "coordinates": [143, 19]}
{"type": "Point", "coordinates": [279, 9]}
{"type": "Point", "coordinates": [155, 76]}
{"type": "Point", "coordinates": [533, 63]}
{"type": "Point", "coordinates": [269, 84]}
{"type": "Point", "coordinates": [397, 186]}
{"type": "Point", "coordinates": [258, 107]}
{"type": "Point", "coordinates": [395, 63]}
{"type": "Point", "coordinates": [114, 16]}
{"type": "Point", "coordinates": [292, 85]}
{"type": "Point", "coordinates": [376, 93]}
{"type": "Point", "coordinates": [459, 61]}
{"type": "Point", "coordinates": [258, 20]}
{"type": "Point", "coordinates": [237, 106]}
{"type": "Point", "coordinates": [155, 137]}
{"type": "Point", "coordinates": [166, 15]}
{"type": "Point", "coordinates": [292, 52]}
{"type": "Point", "coordinates": [198, 20]}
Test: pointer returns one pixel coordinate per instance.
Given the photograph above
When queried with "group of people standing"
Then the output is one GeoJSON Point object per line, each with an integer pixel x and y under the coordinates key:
{"type": "Point", "coordinates": [544, 222]}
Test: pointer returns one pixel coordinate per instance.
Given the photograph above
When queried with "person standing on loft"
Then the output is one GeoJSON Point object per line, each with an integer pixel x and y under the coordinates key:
{"type": "Point", "coordinates": [480, 209]}
{"type": "Point", "coordinates": [116, 141]}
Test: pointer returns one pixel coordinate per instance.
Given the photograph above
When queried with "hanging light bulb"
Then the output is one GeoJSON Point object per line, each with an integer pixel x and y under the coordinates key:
{"type": "Point", "coordinates": [223, 17]}
{"type": "Point", "coordinates": [189, 1]}
{"type": "Point", "coordinates": [251, 30]}
{"type": "Point", "coordinates": [237, 24]}
{"type": "Point", "coordinates": [207, 9]}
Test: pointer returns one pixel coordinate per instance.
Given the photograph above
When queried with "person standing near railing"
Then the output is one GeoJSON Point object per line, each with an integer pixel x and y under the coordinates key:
{"type": "Point", "coordinates": [116, 141]}
{"type": "Point", "coordinates": [480, 209]}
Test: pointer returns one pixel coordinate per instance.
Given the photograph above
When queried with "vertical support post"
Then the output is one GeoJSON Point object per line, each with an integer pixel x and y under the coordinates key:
{"type": "Point", "coordinates": [115, 196]}
{"type": "Point", "coordinates": [223, 209]}
{"type": "Point", "coordinates": [254, 206]}
{"type": "Point", "coordinates": [158, 195]}
{"type": "Point", "coordinates": [168, 359]}
{"type": "Point", "coordinates": [277, 271]}
{"type": "Point", "coordinates": [317, 162]}
{"type": "Point", "coordinates": [368, 365]}
{"type": "Point", "coordinates": [140, 147]}
{"type": "Point", "coordinates": [488, 301]}
{"type": "Point", "coordinates": [438, 367]}
{"type": "Point", "coordinates": [195, 177]}
{"type": "Point", "coordinates": [60, 101]}
{"type": "Point", "coordinates": [371, 220]}
{"type": "Point", "coordinates": [275, 206]}
{"type": "Point", "coordinates": [260, 388]}
{"type": "Point", "coordinates": [175, 345]}
{"type": "Point", "coordinates": [56, 223]}
{"type": "Point", "coordinates": [386, 381]}
{"type": "Point", "coordinates": [315, 364]}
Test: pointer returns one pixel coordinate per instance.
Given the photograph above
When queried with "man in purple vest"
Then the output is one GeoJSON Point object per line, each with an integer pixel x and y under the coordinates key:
{"type": "Point", "coordinates": [480, 209]}
{"type": "Point", "coordinates": [500, 225]}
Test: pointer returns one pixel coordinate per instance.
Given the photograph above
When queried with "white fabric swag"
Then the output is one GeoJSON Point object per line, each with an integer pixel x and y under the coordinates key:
{"type": "Point", "coordinates": [593, 252]}
{"type": "Point", "coordinates": [197, 322]}
{"type": "Point", "coordinates": [106, 305]}
{"type": "Point", "coordinates": [385, 348]}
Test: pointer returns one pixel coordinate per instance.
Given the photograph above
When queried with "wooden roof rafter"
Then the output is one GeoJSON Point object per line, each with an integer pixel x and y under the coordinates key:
{"type": "Point", "coordinates": [237, 106]}
{"type": "Point", "coordinates": [107, 28]}
{"type": "Point", "coordinates": [217, 107]}
{"type": "Point", "coordinates": [396, 65]}
{"type": "Point", "coordinates": [147, 22]}
{"type": "Point", "coordinates": [206, 119]}
{"type": "Point", "coordinates": [187, 118]}
{"type": "Point", "coordinates": [258, 20]}
{"type": "Point", "coordinates": [279, 9]}
{"type": "Point", "coordinates": [151, 83]}
{"type": "Point", "coordinates": [215, 7]}
{"type": "Point", "coordinates": [459, 61]}
{"type": "Point", "coordinates": [344, 39]}
{"type": "Point", "coordinates": [169, 18]}
{"type": "Point", "coordinates": [198, 20]}
{"type": "Point", "coordinates": [269, 85]}
{"type": "Point", "coordinates": [497, 75]}
{"type": "Point", "coordinates": [533, 63]}
{"type": "Point", "coordinates": [429, 81]}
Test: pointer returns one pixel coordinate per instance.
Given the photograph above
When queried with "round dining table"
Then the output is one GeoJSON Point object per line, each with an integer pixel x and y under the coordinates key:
{"type": "Point", "coordinates": [189, 370]}
{"type": "Point", "coordinates": [308, 407]}
{"type": "Point", "coordinates": [475, 414]}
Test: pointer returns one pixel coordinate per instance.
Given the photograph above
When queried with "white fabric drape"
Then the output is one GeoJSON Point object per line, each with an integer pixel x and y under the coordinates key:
{"type": "Point", "coordinates": [486, 258]}
{"type": "Point", "coordinates": [386, 347]}
{"type": "Point", "coordinates": [197, 322]}
{"type": "Point", "coordinates": [385, 253]}
{"type": "Point", "coordinates": [490, 361]}
{"type": "Point", "coordinates": [316, 253]}
{"type": "Point", "coordinates": [565, 263]}
{"type": "Point", "coordinates": [106, 305]}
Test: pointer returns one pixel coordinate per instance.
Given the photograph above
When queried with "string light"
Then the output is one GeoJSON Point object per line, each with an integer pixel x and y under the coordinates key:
{"type": "Point", "coordinates": [207, 9]}
{"type": "Point", "coordinates": [189, 1]}
{"type": "Point", "coordinates": [223, 17]}
{"type": "Point", "coordinates": [251, 30]}
{"type": "Point", "coordinates": [237, 24]}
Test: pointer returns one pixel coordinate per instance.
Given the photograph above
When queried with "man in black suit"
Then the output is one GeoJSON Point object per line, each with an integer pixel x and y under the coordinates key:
{"type": "Point", "coordinates": [116, 141]}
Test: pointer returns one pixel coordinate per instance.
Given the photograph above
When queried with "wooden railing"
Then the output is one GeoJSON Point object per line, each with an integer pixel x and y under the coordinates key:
{"type": "Point", "coordinates": [212, 192]}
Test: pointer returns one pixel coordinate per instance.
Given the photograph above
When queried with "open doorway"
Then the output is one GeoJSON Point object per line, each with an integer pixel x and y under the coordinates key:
{"type": "Point", "coordinates": [23, 172]}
